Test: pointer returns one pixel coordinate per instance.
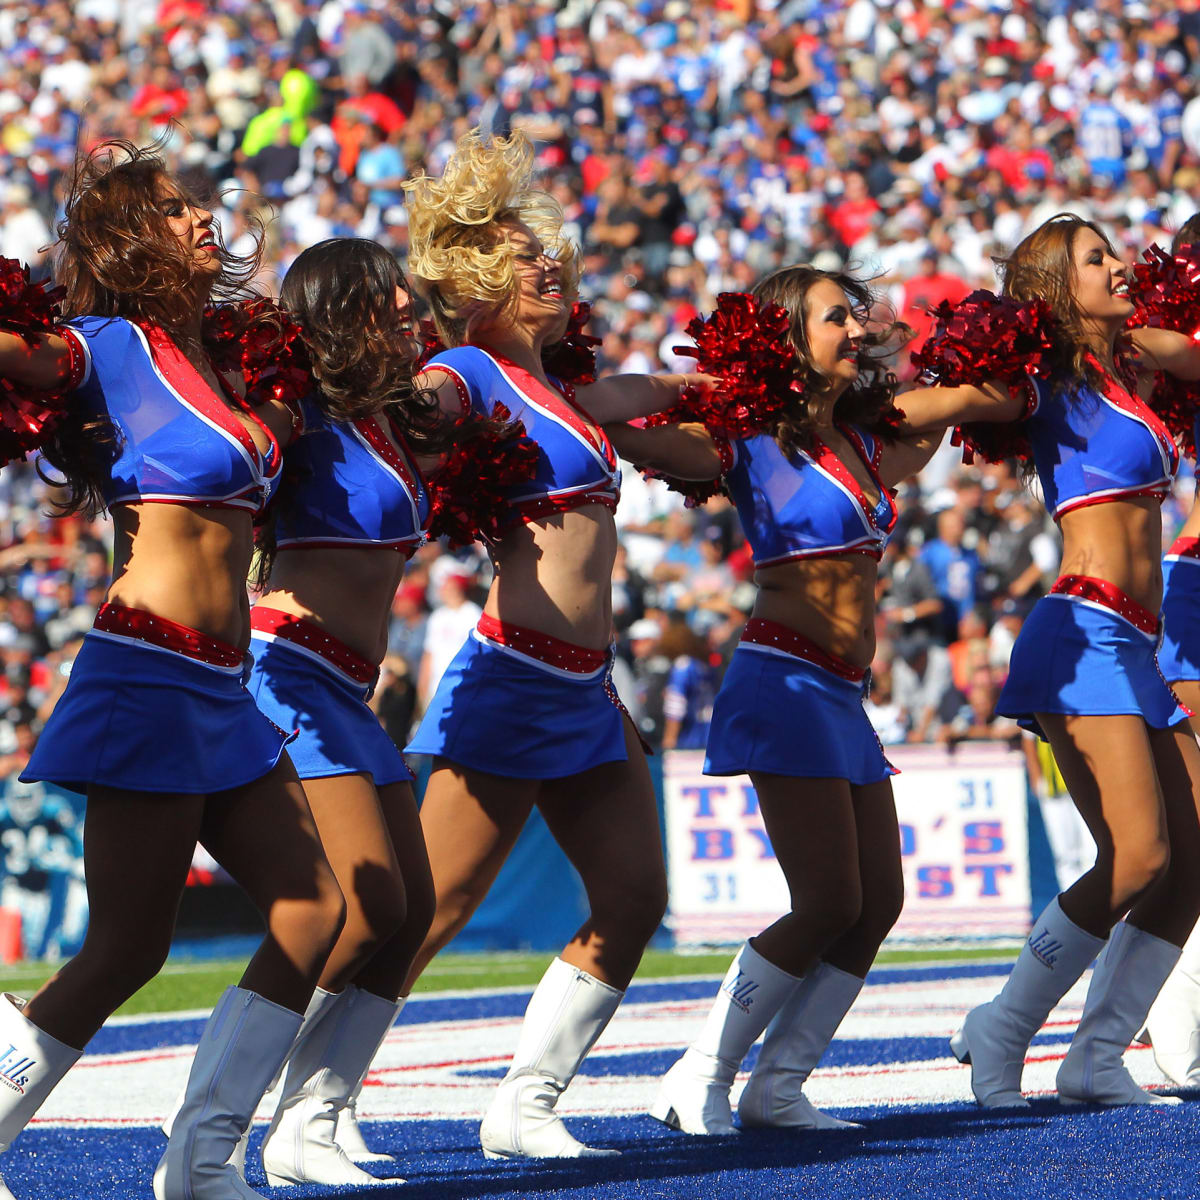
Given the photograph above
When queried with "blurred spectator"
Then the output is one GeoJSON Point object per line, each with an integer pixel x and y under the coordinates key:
{"type": "Point", "coordinates": [449, 624]}
{"type": "Point", "coordinates": [972, 717]}
{"type": "Point", "coordinates": [690, 689]}
{"type": "Point", "coordinates": [651, 670]}
{"type": "Point", "coordinates": [395, 699]}
{"type": "Point", "coordinates": [953, 567]}
{"type": "Point", "coordinates": [24, 234]}
{"type": "Point", "coordinates": [922, 683]}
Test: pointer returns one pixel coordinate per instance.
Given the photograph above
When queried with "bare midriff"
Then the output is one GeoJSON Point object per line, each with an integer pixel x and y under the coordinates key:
{"type": "Point", "coordinates": [346, 591]}
{"type": "Point", "coordinates": [829, 600]}
{"type": "Point", "coordinates": [1119, 542]}
{"type": "Point", "coordinates": [555, 575]}
{"type": "Point", "coordinates": [187, 564]}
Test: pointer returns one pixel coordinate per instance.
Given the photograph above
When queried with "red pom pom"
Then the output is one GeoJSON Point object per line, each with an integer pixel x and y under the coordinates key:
{"type": "Point", "coordinates": [1166, 290]}
{"type": "Point", "coordinates": [28, 415]}
{"type": "Point", "coordinates": [1177, 404]}
{"type": "Point", "coordinates": [263, 342]}
{"type": "Point", "coordinates": [572, 359]}
{"type": "Point", "coordinates": [431, 344]}
{"type": "Point", "coordinates": [987, 338]}
{"type": "Point", "coordinates": [467, 494]}
{"type": "Point", "coordinates": [746, 345]}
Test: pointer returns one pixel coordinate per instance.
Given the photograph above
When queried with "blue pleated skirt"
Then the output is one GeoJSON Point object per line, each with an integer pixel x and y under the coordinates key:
{"type": "Point", "coordinates": [1179, 653]}
{"type": "Point", "coordinates": [144, 719]}
{"type": "Point", "coordinates": [1077, 657]}
{"type": "Point", "coordinates": [336, 733]}
{"type": "Point", "coordinates": [783, 715]}
{"type": "Point", "coordinates": [503, 712]}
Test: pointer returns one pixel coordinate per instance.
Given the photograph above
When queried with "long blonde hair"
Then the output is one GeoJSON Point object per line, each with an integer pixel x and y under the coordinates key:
{"type": "Point", "coordinates": [458, 254]}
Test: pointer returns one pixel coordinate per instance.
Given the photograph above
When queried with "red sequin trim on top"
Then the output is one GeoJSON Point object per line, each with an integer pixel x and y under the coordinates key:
{"type": "Point", "coordinates": [779, 637]}
{"type": "Point", "coordinates": [464, 396]}
{"type": "Point", "coordinates": [141, 626]}
{"type": "Point", "coordinates": [545, 506]}
{"type": "Point", "coordinates": [1108, 595]}
{"type": "Point", "coordinates": [76, 358]}
{"type": "Point", "coordinates": [554, 652]}
{"type": "Point", "coordinates": [1185, 547]}
{"type": "Point", "coordinates": [290, 628]}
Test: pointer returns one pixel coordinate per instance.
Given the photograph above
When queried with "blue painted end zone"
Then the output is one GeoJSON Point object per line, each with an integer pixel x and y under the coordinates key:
{"type": "Point", "coordinates": [1127, 1154]}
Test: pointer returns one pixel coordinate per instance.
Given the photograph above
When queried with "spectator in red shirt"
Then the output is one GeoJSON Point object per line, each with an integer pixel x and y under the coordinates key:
{"type": "Point", "coordinates": [854, 214]}
{"type": "Point", "coordinates": [924, 292]}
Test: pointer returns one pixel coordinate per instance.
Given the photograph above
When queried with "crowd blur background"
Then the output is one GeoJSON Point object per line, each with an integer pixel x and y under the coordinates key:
{"type": "Point", "coordinates": [694, 145]}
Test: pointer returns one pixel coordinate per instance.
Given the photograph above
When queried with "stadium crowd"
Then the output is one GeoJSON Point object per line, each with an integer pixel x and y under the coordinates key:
{"type": "Point", "coordinates": [694, 147]}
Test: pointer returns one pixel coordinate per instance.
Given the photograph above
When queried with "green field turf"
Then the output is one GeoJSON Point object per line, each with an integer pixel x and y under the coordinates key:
{"type": "Point", "coordinates": [184, 985]}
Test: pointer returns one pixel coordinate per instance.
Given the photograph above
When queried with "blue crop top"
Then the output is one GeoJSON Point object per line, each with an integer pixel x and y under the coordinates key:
{"type": "Point", "coordinates": [349, 486]}
{"type": "Point", "coordinates": [806, 504]}
{"type": "Point", "coordinates": [1092, 447]}
{"type": "Point", "coordinates": [180, 443]}
{"type": "Point", "coordinates": [576, 462]}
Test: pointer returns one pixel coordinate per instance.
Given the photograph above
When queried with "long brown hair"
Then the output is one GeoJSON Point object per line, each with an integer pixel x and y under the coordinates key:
{"type": "Point", "coordinates": [117, 257]}
{"type": "Point", "coordinates": [342, 292]}
{"type": "Point", "coordinates": [1188, 234]}
{"type": "Point", "coordinates": [1042, 268]}
{"type": "Point", "coordinates": [871, 397]}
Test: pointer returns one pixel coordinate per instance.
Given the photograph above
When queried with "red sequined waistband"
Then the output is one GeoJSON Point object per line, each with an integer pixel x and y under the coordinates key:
{"type": "Point", "coordinates": [554, 652]}
{"type": "Point", "coordinates": [311, 637]}
{"type": "Point", "coordinates": [1108, 595]}
{"type": "Point", "coordinates": [140, 626]}
{"type": "Point", "coordinates": [774, 636]}
{"type": "Point", "coordinates": [1185, 547]}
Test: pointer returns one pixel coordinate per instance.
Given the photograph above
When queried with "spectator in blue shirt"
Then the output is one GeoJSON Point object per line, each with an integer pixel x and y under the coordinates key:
{"type": "Point", "coordinates": [381, 168]}
{"type": "Point", "coordinates": [691, 688]}
{"type": "Point", "coordinates": [954, 568]}
{"type": "Point", "coordinates": [1104, 138]}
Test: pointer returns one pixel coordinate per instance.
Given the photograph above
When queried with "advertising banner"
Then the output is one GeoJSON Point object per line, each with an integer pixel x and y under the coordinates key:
{"type": "Point", "coordinates": [963, 841]}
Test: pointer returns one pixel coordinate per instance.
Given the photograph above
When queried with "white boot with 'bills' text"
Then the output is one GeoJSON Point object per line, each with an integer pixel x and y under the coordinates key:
{"type": "Point", "coordinates": [31, 1064]}
{"type": "Point", "coordinates": [693, 1096]}
{"type": "Point", "coordinates": [995, 1036]}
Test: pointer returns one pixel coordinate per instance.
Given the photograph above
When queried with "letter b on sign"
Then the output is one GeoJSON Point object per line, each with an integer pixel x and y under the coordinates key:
{"type": "Point", "coordinates": [712, 843]}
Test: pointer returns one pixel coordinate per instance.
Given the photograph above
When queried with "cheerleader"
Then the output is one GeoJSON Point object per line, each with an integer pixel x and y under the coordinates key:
{"type": "Point", "coordinates": [1173, 1025]}
{"type": "Point", "coordinates": [156, 725]}
{"type": "Point", "coordinates": [526, 713]}
{"type": "Point", "coordinates": [812, 482]}
{"type": "Point", "coordinates": [1083, 671]}
{"type": "Point", "coordinates": [352, 509]}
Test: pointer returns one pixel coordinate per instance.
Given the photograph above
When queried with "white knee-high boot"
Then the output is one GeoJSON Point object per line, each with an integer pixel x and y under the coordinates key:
{"type": "Point", "coordinates": [567, 1013]}
{"type": "Point", "coordinates": [795, 1041]}
{"type": "Point", "coordinates": [244, 1043]}
{"type": "Point", "coordinates": [1173, 1025]}
{"type": "Point", "coordinates": [328, 1060]}
{"type": "Point", "coordinates": [1124, 984]}
{"type": "Point", "coordinates": [995, 1036]}
{"type": "Point", "coordinates": [694, 1094]}
{"type": "Point", "coordinates": [31, 1064]}
{"type": "Point", "coordinates": [349, 1133]}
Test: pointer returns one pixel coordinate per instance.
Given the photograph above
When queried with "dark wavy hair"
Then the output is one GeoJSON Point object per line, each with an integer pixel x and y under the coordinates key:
{"type": "Point", "coordinates": [1188, 234]}
{"type": "Point", "coordinates": [1042, 268]}
{"type": "Point", "coordinates": [342, 294]}
{"type": "Point", "coordinates": [869, 400]}
{"type": "Point", "coordinates": [117, 257]}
